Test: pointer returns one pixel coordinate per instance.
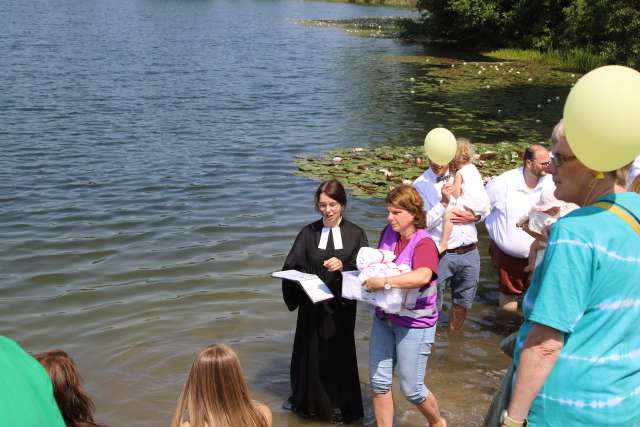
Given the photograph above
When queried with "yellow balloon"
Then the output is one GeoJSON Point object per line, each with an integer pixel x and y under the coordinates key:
{"type": "Point", "coordinates": [602, 117]}
{"type": "Point", "coordinates": [440, 145]}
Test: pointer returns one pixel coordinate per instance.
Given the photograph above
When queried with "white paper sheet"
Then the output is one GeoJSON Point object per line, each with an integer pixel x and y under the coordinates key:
{"type": "Point", "coordinates": [314, 287]}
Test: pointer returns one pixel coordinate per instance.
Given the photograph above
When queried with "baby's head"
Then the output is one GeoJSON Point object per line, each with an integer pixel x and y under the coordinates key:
{"type": "Point", "coordinates": [464, 153]}
{"type": "Point", "coordinates": [548, 203]}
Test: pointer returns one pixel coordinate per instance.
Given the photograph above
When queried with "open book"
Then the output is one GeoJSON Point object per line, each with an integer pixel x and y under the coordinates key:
{"type": "Point", "coordinates": [315, 288]}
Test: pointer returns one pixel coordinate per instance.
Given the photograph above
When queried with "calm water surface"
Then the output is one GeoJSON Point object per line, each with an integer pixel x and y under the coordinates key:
{"type": "Point", "coordinates": [146, 189]}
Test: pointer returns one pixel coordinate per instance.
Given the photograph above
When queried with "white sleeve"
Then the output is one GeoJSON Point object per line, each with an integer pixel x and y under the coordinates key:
{"type": "Point", "coordinates": [435, 215]}
{"type": "Point", "coordinates": [494, 190]}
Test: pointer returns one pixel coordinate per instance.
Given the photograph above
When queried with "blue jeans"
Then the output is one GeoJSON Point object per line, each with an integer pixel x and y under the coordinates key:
{"type": "Point", "coordinates": [409, 349]}
{"type": "Point", "coordinates": [462, 274]}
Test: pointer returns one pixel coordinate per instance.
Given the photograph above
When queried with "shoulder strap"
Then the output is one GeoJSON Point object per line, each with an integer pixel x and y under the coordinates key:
{"type": "Point", "coordinates": [621, 213]}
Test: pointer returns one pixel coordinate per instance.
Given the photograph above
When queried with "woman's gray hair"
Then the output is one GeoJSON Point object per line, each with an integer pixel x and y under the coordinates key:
{"type": "Point", "coordinates": [619, 176]}
{"type": "Point", "coordinates": [558, 133]}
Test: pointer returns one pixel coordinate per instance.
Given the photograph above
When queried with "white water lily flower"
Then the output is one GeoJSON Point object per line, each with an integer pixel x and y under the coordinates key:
{"type": "Point", "coordinates": [337, 159]}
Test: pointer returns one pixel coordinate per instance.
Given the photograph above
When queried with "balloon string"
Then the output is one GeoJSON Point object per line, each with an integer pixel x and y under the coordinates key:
{"type": "Point", "coordinates": [599, 176]}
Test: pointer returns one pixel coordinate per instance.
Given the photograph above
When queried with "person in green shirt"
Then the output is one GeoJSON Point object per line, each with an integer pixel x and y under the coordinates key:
{"type": "Point", "coordinates": [26, 393]}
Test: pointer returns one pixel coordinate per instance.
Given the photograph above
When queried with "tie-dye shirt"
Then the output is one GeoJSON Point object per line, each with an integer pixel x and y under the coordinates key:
{"type": "Point", "coordinates": [588, 287]}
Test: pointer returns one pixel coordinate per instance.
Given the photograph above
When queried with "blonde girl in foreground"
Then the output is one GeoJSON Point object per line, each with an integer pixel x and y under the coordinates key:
{"type": "Point", "coordinates": [216, 394]}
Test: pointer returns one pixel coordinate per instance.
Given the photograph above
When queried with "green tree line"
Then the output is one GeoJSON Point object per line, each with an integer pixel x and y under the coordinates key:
{"type": "Point", "coordinates": [609, 29]}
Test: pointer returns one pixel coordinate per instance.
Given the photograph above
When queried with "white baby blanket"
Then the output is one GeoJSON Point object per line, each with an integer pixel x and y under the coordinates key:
{"type": "Point", "coordinates": [377, 263]}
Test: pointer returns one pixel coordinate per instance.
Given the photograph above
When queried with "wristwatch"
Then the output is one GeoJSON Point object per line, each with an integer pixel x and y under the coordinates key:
{"type": "Point", "coordinates": [506, 420]}
{"type": "Point", "coordinates": [387, 285]}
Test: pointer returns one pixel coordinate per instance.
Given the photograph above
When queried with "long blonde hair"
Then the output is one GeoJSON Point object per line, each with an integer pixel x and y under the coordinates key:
{"type": "Point", "coordinates": [216, 394]}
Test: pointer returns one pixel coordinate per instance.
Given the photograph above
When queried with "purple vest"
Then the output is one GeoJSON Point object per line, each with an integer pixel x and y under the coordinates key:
{"type": "Point", "coordinates": [423, 312]}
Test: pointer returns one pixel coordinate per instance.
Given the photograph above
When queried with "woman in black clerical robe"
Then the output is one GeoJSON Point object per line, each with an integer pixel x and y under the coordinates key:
{"type": "Point", "coordinates": [324, 369]}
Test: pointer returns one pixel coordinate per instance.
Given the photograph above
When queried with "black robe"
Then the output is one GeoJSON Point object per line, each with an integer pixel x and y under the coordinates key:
{"type": "Point", "coordinates": [324, 368]}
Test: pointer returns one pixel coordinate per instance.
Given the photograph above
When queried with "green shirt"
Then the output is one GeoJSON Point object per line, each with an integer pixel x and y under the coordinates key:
{"type": "Point", "coordinates": [26, 392]}
{"type": "Point", "coordinates": [588, 287]}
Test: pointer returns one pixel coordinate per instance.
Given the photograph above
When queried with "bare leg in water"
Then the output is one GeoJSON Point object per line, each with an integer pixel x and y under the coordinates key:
{"type": "Point", "coordinates": [383, 410]}
{"type": "Point", "coordinates": [457, 316]}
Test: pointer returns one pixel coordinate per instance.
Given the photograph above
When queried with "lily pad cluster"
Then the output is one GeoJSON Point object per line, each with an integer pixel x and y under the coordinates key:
{"type": "Point", "coordinates": [372, 172]}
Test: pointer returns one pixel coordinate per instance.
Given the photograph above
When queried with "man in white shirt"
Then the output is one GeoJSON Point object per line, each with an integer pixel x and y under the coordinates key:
{"type": "Point", "coordinates": [512, 195]}
{"type": "Point", "coordinates": [459, 265]}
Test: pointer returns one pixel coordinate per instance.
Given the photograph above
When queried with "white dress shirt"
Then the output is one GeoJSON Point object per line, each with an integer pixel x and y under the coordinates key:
{"type": "Point", "coordinates": [511, 198]}
{"type": "Point", "coordinates": [431, 192]}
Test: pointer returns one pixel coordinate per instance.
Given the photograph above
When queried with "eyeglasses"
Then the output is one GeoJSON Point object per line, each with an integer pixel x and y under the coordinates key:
{"type": "Point", "coordinates": [332, 205]}
{"type": "Point", "coordinates": [559, 159]}
{"type": "Point", "coordinates": [545, 164]}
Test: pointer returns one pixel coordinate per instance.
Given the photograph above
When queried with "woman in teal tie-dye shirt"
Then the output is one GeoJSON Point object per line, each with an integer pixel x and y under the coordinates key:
{"type": "Point", "coordinates": [578, 352]}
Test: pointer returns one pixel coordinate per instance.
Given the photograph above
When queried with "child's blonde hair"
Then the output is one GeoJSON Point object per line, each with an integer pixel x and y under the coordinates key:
{"type": "Point", "coordinates": [464, 154]}
{"type": "Point", "coordinates": [635, 185]}
{"type": "Point", "coordinates": [216, 394]}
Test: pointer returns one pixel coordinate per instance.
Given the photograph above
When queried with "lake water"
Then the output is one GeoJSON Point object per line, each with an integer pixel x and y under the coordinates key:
{"type": "Point", "coordinates": [146, 189]}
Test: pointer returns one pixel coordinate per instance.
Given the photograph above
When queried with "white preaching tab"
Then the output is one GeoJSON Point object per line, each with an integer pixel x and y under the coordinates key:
{"type": "Point", "coordinates": [337, 237]}
{"type": "Point", "coordinates": [324, 238]}
{"type": "Point", "coordinates": [314, 287]}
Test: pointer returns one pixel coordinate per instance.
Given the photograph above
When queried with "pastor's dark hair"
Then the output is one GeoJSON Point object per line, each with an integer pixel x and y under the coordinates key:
{"type": "Point", "coordinates": [333, 189]}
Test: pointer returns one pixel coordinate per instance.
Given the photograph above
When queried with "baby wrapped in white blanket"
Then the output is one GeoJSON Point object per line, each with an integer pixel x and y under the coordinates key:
{"type": "Point", "coordinates": [375, 263]}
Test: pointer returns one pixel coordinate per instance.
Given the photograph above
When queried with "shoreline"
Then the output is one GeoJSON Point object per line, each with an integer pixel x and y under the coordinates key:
{"type": "Point", "coordinates": [501, 104]}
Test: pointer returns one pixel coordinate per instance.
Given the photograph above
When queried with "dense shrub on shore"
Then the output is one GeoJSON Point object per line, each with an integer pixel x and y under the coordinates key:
{"type": "Point", "coordinates": [607, 30]}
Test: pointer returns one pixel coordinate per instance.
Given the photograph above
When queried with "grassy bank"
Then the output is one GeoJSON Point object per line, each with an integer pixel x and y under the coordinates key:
{"type": "Point", "coordinates": [575, 59]}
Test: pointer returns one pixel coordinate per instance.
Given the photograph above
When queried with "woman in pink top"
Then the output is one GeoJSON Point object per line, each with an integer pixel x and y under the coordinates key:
{"type": "Point", "coordinates": [404, 339]}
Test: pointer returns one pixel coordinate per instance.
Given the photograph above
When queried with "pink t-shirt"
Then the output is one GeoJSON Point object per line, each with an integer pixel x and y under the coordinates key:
{"type": "Point", "coordinates": [425, 254]}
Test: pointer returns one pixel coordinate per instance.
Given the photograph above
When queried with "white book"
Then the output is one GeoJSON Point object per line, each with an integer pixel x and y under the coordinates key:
{"type": "Point", "coordinates": [314, 287]}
